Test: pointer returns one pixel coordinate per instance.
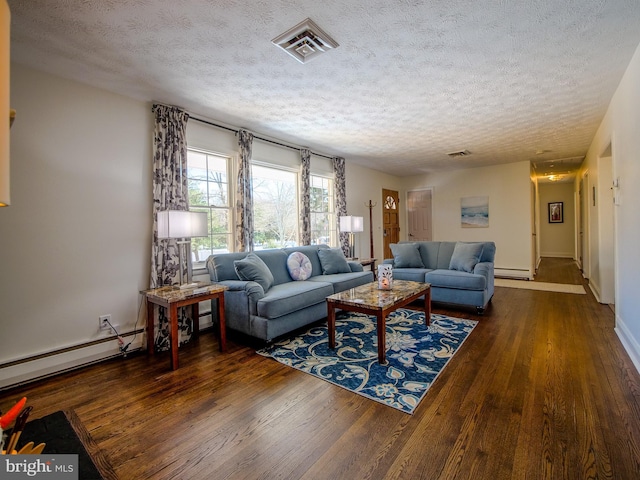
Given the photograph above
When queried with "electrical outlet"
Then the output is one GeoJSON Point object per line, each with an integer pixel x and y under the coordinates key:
{"type": "Point", "coordinates": [103, 322]}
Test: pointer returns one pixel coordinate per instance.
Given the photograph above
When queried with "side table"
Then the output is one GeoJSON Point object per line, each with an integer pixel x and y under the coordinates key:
{"type": "Point", "coordinates": [171, 298]}
{"type": "Point", "coordinates": [368, 261]}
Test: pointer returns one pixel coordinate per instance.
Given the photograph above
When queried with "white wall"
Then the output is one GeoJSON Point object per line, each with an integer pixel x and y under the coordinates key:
{"type": "Point", "coordinates": [76, 239]}
{"type": "Point", "coordinates": [364, 185]}
{"type": "Point", "coordinates": [509, 191]}
{"type": "Point", "coordinates": [557, 239]}
{"type": "Point", "coordinates": [620, 127]}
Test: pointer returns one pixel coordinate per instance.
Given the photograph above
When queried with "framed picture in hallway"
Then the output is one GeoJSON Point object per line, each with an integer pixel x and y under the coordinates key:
{"type": "Point", "coordinates": [556, 213]}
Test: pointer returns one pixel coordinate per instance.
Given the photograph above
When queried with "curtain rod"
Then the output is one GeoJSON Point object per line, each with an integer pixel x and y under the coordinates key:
{"type": "Point", "coordinates": [255, 136]}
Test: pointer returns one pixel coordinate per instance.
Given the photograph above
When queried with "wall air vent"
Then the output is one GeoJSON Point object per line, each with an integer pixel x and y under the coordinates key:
{"type": "Point", "coordinates": [305, 41]}
{"type": "Point", "coordinates": [461, 153]}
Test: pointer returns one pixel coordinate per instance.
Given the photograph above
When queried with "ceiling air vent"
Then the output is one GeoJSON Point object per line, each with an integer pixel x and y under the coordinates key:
{"type": "Point", "coordinates": [461, 153]}
{"type": "Point", "coordinates": [305, 41]}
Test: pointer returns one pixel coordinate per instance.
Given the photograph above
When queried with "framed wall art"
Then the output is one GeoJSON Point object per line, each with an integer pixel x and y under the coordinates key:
{"type": "Point", "coordinates": [556, 212]}
{"type": "Point", "coordinates": [474, 212]}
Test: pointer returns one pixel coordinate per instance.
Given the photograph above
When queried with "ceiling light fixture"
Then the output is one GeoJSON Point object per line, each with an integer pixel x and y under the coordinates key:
{"type": "Point", "coordinates": [305, 41]}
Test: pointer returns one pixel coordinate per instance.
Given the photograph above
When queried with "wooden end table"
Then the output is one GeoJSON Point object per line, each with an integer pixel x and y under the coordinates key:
{"type": "Point", "coordinates": [171, 298]}
{"type": "Point", "coordinates": [371, 262]}
{"type": "Point", "coordinates": [373, 301]}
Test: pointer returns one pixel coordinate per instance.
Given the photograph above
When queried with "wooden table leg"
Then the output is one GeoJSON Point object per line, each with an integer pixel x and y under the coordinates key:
{"type": "Point", "coordinates": [331, 324]}
{"type": "Point", "coordinates": [221, 323]}
{"type": "Point", "coordinates": [382, 338]}
{"type": "Point", "coordinates": [427, 307]}
{"type": "Point", "coordinates": [195, 313]}
{"type": "Point", "coordinates": [150, 329]}
{"type": "Point", "coordinates": [173, 322]}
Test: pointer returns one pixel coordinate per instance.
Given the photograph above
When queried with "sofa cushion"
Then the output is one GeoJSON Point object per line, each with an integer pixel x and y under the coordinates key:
{"type": "Point", "coordinates": [413, 274]}
{"type": "Point", "coordinates": [465, 256]}
{"type": "Point", "coordinates": [291, 297]}
{"type": "Point", "coordinates": [429, 254]}
{"type": "Point", "coordinates": [299, 266]}
{"type": "Point", "coordinates": [456, 279]}
{"type": "Point", "coordinates": [345, 281]}
{"type": "Point", "coordinates": [311, 251]}
{"type": "Point", "coordinates": [406, 255]}
{"type": "Point", "coordinates": [333, 261]}
{"type": "Point", "coordinates": [276, 261]}
{"type": "Point", "coordinates": [252, 268]}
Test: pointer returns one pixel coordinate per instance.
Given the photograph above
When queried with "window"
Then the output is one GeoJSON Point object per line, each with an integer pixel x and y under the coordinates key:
{"type": "Point", "coordinates": [323, 220]}
{"type": "Point", "coordinates": [275, 207]}
{"type": "Point", "coordinates": [208, 180]}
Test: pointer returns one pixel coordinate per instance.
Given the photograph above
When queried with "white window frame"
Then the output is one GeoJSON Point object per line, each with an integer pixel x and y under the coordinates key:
{"type": "Point", "coordinates": [333, 228]}
{"type": "Point", "coordinates": [231, 186]}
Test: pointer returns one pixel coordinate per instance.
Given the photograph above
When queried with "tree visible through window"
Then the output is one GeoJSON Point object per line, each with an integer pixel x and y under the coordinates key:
{"type": "Point", "coordinates": [275, 207]}
{"type": "Point", "coordinates": [323, 220]}
{"type": "Point", "coordinates": [208, 180]}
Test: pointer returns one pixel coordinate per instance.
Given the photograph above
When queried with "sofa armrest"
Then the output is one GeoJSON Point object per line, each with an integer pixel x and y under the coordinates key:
{"type": "Point", "coordinates": [356, 267]}
{"type": "Point", "coordinates": [249, 287]}
{"type": "Point", "coordinates": [486, 270]}
{"type": "Point", "coordinates": [387, 261]}
{"type": "Point", "coordinates": [242, 297]}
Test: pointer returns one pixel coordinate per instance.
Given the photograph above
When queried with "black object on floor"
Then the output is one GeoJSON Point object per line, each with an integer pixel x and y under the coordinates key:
{"type": "Point", "coordinates": [57, 432]}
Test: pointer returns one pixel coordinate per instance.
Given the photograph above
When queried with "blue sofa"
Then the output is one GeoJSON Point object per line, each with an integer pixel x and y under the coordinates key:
{"type": "Point", "coordinates": [287, 304]}
{"type": "Point", "coordinates": [460, 273]}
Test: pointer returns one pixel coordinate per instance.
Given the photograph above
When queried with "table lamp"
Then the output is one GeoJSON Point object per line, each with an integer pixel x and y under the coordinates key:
{"type": "Point", "coordinates": [183, 226]}
{"type": "Point", "coordinates": [351, 225]}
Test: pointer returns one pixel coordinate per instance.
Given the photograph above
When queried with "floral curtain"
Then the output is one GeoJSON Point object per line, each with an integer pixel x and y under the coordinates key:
{"type": "Point", "coordinates": [244, 201]}
{"type": "Point", "coordinates": [170, 192]}
{"type": "Point", "coordinates": [341, 200]}
{"type": "Point", "coordinates": [305, 196]}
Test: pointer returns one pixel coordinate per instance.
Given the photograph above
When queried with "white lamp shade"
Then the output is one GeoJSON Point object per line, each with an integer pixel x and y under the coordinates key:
{"type": "Point", "coordinates": [5, 22]}
{"type": "Point", "coordinates": [182, 224]}
{"type": "Point", "coordinates": [351, 224]}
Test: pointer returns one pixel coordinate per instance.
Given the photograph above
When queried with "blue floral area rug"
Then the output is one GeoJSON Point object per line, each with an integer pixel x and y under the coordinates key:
{"type": "Point", "coordinates": [416, 354]}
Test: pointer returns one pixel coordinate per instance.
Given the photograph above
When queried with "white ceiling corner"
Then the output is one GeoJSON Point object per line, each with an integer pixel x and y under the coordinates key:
{"type": "Point", "coordinates": [411, 80]}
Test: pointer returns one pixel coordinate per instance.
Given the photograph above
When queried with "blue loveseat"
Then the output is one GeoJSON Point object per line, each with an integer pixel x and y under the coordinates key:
{"type": "Point", "coordinates": [269, 309]}
{"type": "Point", "coordinates": [460, 273]}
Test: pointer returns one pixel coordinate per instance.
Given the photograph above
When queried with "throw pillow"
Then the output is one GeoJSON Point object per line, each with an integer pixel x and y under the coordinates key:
{"type": "Point", "coordinates": [406, 255]}
{"type": "Point", "coordinates": [253, 268]}
{"type": "Point", "coordinates": [333, 261]}
{"type": "Point", "coordinates": [299, 266]}
{"type": "Point", "coordinates": [465, 256]}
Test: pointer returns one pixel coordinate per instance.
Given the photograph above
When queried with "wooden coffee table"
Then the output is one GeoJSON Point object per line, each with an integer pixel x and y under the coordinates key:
{"type": "Point", "coordinates": [373, 301]}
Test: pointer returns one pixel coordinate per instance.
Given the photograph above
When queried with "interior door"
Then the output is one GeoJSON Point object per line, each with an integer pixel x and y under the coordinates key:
{"type": "Point", "coordinates": [390, 220]}
{"type": "Point", "coordinates": [419, 215]}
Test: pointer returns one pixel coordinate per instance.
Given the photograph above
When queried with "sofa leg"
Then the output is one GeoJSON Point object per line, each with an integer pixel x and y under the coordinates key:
{"type": "Point", "coordinates": [480, 310]}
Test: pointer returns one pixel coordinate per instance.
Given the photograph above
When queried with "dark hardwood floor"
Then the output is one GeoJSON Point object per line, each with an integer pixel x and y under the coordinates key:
{"type": "Point", "coordinates": [542, 388]}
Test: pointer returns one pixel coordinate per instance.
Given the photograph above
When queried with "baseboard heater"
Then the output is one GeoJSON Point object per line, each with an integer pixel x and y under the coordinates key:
{"type": "Point", "coordinates": [519, 273]}
{"type": "Point", "coordinates": [43, 365]}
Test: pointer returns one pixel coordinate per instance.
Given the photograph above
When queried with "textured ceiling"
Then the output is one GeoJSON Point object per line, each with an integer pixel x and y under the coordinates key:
{"type": "Point", "coordinates": [410, 81]}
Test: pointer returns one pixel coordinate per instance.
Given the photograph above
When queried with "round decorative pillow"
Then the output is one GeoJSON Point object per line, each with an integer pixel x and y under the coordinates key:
{"type": "Point", "coordinates": [299, 266]}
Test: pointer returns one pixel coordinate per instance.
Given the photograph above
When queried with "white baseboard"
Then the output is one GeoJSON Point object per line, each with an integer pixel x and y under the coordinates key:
{"type": "Point", "coordinates": [628, 342]}
{"type": "Point", "coordinates": [513, 273]}
{"type": "Point", "coordinates": [557, 254]}
{"type": "Point", "coordinates": [596, 291]}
